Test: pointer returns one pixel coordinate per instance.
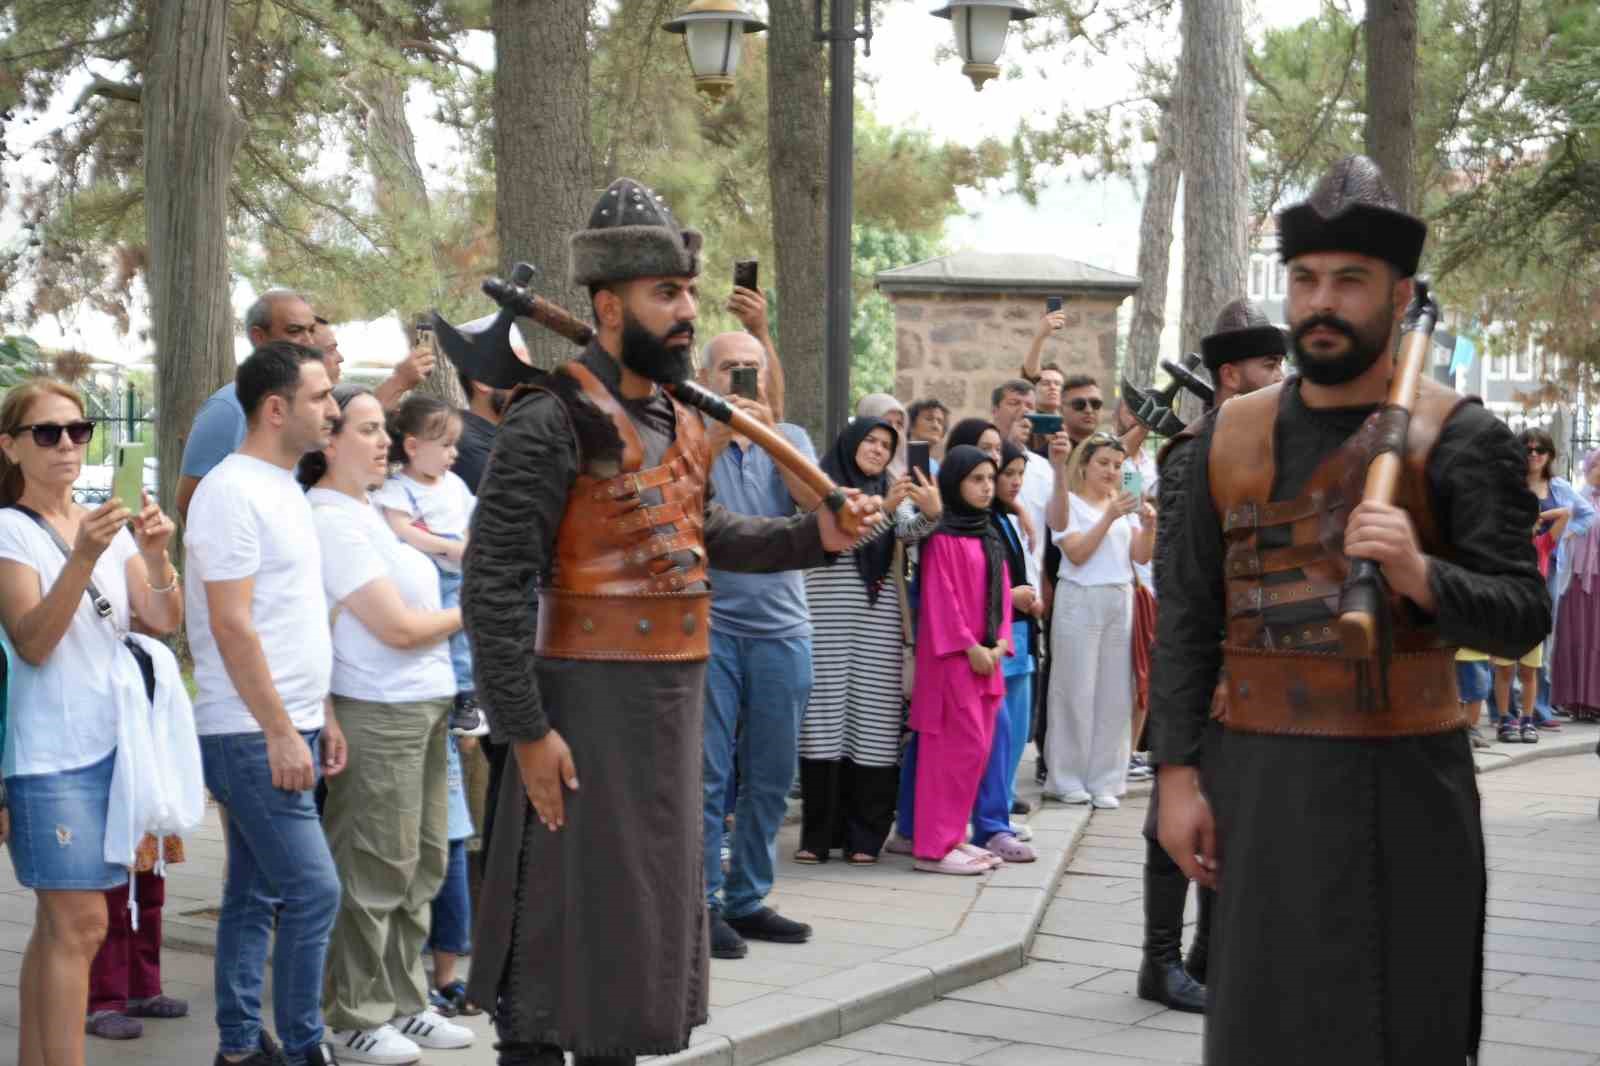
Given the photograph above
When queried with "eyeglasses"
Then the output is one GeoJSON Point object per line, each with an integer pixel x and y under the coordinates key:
{"type": "Point", "coordinates": [48, 434]}
{"type": "Point", "coordinates": [1081, 404]}
{"type": "Point", "coordinates": [1537, 449]}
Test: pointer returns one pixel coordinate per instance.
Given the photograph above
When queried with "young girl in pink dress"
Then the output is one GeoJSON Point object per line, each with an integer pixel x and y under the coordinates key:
{"type": "Point", "coordinates": [960, 686]}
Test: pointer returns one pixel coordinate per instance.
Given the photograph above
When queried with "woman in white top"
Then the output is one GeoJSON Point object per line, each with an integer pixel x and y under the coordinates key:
{"type": "Point", "coordinates": [1091, 688]}
{"type": "Point", "coordinates": [386, 816]}
{"type": "Point", "coordinates": [72, 676]}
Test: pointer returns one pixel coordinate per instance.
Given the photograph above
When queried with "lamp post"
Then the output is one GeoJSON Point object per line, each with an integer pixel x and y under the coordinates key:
{"type": "Point", "coordinates": [980, 27]}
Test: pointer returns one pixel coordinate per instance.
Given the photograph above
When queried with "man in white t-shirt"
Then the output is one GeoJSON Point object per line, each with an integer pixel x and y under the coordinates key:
{"type": "Point", "coordinates": [258, 628]}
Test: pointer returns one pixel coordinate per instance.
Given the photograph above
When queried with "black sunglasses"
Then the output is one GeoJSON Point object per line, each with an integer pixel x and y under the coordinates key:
{"type": "Point", "coordinates": [1539, 449]}
{"type": "Point", "coordinates": [1081, 404]}
{"type": "Point", "coordinates": [48, 434]}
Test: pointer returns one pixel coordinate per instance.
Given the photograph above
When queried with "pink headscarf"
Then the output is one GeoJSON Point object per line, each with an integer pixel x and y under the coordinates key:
{"type": "Point", "coordinates": [1586, 552]}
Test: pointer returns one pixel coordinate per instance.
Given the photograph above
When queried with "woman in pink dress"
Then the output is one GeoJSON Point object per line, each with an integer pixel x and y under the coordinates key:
{"type": "Point", "coordinates": [1576, 681]}
{"type": "Point", "coordinates": [962, 637]}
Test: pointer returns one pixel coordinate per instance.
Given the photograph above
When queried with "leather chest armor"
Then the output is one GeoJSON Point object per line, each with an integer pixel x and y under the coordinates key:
{"type": "Point", "coordinates": [1284, 569]}
{"type": "Point", "coordinates": [629, 578]}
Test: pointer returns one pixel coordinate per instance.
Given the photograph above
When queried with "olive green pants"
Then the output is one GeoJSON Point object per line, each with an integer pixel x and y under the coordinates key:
{"type": "Point", "coordinates": [386, 819]}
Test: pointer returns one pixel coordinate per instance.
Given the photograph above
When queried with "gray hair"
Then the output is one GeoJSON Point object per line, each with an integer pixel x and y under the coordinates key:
{"type": "Point", "coordinates": [259, 316]}
{"type": "Point", "coordinates": [708, 361]}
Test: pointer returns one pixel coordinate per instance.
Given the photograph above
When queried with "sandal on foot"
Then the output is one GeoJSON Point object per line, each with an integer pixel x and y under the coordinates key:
{"type": "Point", "coordinates": [455, 993]}
{"type": "Point", "coordinates": [112, 1025]}
{"type": "Point", "coordinates": [861, 858]}
{"type": "Point", "coordinates": [1009, 848]}
{"type": "Point", "coordinates": [982, 854]}
{"type": "Point", "coordinates": [960, 862]}
{"type": "Point", "coordinates": [808, 858]}
{"type": "Point", "coordinates": [898, 845]}
{"type": "Point", "coordinates": [158, 1007]}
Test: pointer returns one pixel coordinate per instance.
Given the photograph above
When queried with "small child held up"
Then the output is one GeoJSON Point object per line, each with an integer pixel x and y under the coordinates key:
{"type": "Point", "coordinates": [430, 508]}
{"type": "Point", "coordinates": [963, 637]}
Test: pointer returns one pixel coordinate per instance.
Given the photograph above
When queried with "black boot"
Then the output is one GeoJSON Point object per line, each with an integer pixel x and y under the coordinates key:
{"type": "Point", "coordinates": [1200, 946]}
{"type": "Point", "coordinates": [516, 1053]}
{"type": "Point", "coordinates": [1161, 976]}
{"type": "Point", "coordinates": [604, 1060]}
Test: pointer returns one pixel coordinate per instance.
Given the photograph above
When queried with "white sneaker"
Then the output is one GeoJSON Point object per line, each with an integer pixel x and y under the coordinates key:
{"type": "Point", "coordinates": [1107, 803]}
{"type": "Point", "coordinates": [383, 1045]}
{"type": "Point", "coordinates": [430, 1029]}
{"type": "Point", "coordinates": [1076, 797]}
{"type": "Point", "coordinates": [1021, 831]}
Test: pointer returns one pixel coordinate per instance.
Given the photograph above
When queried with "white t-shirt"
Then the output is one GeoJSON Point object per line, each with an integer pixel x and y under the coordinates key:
{"type": "Point", "coordinates": [1038, 483]}
{"type": "Point", "coordinates": [358, 548]}
{"type": "Point", "coordinates": [1112, 561]}
{"type": "Point", "coordinates": [250, 518]}
{"type": "Point", "coordinates": [62, 715]}
{"type": "Point", "coordinates": [445, 507]}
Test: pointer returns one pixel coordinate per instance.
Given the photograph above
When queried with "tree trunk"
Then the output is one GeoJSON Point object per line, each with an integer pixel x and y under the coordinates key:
{"type": "Point", "coordinates": [401, 195]}
{"type": "Point", "coordinates": [1155, 247]}
{"type": "Point", "coordinates": [543, 184]}
{"type": "Point", "coordinates": [1216, 203]}
{"type": "Point", "coordinates": [797, 160]}
{"type": "Point", "coordinates": [190, 136]}
{"type": "Point", "coordinates": [1391, 131]}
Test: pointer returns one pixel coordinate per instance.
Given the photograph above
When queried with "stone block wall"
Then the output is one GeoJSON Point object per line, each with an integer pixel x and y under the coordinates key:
{"type": "Point", "coordinates": [958, 347]}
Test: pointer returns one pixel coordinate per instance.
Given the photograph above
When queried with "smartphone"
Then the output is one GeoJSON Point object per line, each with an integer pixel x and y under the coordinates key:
{"type": "Point", "coordinates": [919, 456]}
{"type": "Point", "coordinates": [1045, 425]}
{"type": "Point", "coordinates": [745, 382]}
{"type": "Point", "coordinates": [744, 274]}
{"type": "Point", "coordinates": [1132, 481]}
{"type": "Point", "coordinates": [128, 481]}
{"type": "Point", "coordinates": [424, 328]}
{"type": "Point", "coordinates": [1052, 304]}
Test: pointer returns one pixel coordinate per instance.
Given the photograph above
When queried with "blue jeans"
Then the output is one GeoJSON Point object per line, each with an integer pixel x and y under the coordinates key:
{"type": "Point", "coordinates": [460, 647]}
{"type": "Point", "coordinates": [991, 809]}
{"type": "Point", "coordinates": [756, 693]}
{"type": "Point", "coordinates": [451, 929]}
{"type": "Point", "coordinates": [278, 859]}
{"type": "Point", "coordinates": [1019, 714]}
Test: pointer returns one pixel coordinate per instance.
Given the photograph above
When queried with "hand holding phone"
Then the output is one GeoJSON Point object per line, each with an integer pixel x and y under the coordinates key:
{"type": "Point", "coordinates": [745, 274]}
{"type": "Point", "coordinates": [919, 456]}
{"type": "Point", "coordinates": [745, 381]}
{"type": "Point", "coordinates": [127, 483]}
{"type": "Point", "coordinates": [1045, 425]}
{"type": "Point", "coordinates": [1132, 481]}
{"type": "Point", "coordinates": [1052, 304]}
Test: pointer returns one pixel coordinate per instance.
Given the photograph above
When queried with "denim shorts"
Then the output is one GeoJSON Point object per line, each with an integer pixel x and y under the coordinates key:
{"type": "Point", "coordinates": [58, 829]}
{"type": "Point", "coordinates": [1473, 679]}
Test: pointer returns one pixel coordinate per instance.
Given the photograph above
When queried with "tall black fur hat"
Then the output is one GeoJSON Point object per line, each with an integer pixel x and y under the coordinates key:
{"type": "Point", "coordinates": [1352, 209]}
{"type": "Point", "coordinates": [1242, 332]}
{"type": "Point", "coordinates": [632, 234]}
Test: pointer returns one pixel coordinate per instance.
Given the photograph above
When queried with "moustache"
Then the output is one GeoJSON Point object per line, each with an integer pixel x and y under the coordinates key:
{"type": "Point", "coordinates": [1333, 322]}
{"type": "Point", "coordinates": [682, 329]}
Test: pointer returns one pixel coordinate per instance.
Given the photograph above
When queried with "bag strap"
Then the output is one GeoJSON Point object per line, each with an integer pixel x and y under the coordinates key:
{"type": "Point", "coordinates": [898, 567]}
{"type": "Point", "coordinates": [102, 606]}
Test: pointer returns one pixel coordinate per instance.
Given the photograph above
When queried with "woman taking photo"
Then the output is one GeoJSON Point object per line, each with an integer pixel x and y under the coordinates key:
{"type": "Point", "coordinates": [72, 678]}
{"type": "Point", "coordinates": [393, 686]}
{"type": "Point", "coordinates": [850, 738]}
{"type": "Point", "coordinates": [1091, 687]}
{"type": "Point", "coordinates": [1556, 496]}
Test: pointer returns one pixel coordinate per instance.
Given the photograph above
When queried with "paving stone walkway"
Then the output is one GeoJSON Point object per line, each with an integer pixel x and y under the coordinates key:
{"type": "Point", "coordinates": [1073, 1004]}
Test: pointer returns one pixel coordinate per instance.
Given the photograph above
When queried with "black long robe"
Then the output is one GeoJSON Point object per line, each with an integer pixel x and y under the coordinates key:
{"type": "Point", "coordinates": [1351, 901]}
{"type": "Point", "coordinates": [594, 938]}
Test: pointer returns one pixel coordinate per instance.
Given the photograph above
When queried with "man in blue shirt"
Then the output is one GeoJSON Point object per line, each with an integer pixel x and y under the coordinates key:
{"type": "Point", "coordinates": [759, 678]}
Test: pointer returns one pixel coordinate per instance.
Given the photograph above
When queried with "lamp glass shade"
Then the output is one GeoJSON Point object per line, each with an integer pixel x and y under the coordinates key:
{"type": "Point", "coordinates": [714, 47]}
{"type": "Point", "coordinates": [980, 32]}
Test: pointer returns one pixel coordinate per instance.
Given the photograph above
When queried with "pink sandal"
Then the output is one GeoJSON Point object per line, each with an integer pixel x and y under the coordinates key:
{"type": "Point", "coordinates": [982, 854]}
{"type": "Point", "coordinates": [959, 862]}
{"type": "Point", "coordinates": [1009, 848]}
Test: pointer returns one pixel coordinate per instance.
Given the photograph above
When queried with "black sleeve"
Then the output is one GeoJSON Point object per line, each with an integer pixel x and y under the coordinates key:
{"type": "Point", "coordinates": [1189, 616]}
{"type": "Point", "coordinates": [521, 499]}
{"type": "Point", "coordinates": [1489, 594]}
{"type": "Point", "coordinates": [753, 545]}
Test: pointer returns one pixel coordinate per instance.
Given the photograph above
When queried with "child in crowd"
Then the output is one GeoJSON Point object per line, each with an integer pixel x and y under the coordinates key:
{"type": "Point", "coordinates": [430, 508]}
{"type": "Point", "coordinates": [962, 640]}
{"type": "Point", "coordinates": [1547, 534]}
{"type": "Point", "coordinates": [450, 932]}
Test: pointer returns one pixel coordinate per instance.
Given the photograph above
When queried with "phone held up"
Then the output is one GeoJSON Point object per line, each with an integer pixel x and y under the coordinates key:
{"type": "Point", "coordinates": [1052, 304]}
{"type": "Point", "coordinates": [127, 483]}
{"type": "Point", "coordinates": [1132, 481]}
{"type": "Point", "coordinates": [1045, 425]}
{"type": "Point", "coordinates": [919, 456]}
{"type": "Point", "coordinates": [744, 274]}
{"type": "Point", "coordinates": [424, 329]}
{"type": "Point", "coordinates": [745, 381]}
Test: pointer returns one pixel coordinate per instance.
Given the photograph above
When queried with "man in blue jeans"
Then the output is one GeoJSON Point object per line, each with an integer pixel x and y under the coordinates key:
{"type": "Point", "coordinates": [759, 678]}
{"type": "Point", "coordinates": [263, 655]}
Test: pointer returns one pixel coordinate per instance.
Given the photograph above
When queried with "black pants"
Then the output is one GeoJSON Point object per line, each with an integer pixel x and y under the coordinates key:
{"type": "Point", "coordinates": [512, 1053]}
{"type": "Point", "coordinates": [846, 806]}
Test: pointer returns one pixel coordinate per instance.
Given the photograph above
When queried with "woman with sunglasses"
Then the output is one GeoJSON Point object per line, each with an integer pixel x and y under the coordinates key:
{"type": "Point", "coordinates": [1091, 690]}
{"type": "Point", "coordinates": [71, 679]}
{"type": "Point", "coordinates": [1556, 496]}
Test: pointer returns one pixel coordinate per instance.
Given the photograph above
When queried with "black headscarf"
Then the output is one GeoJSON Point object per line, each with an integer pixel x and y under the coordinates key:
{"type": "Point", "coordinates": [967, 431]}
{"type": "Point", "coordinates": [873, 558]}
{"type": "Point", "coordinates": [961, 519]}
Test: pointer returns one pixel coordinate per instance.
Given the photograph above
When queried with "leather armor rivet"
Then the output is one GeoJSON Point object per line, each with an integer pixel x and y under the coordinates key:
{"type": "Point", "coordinates": [1244, 689]}
{"type": "Point", "coordinates": [644, 625]}
{"type": "Point", "coordinates": [688, 624]}
{"type": "Point", "coordinates": [587, 625]}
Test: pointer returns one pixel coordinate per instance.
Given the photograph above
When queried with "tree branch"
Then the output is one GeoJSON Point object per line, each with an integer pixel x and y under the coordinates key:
{"type": "Point", "coordinates": [111, 90]}
{"type": "Point", "coordinates": [68, 46]}
{"type": "Point", "coordinates": [440, 52]}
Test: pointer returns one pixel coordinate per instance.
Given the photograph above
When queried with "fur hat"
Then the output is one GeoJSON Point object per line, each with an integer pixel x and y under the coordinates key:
{"type": "Point", "coordinates": [1242, 332]}
{"type": "Point", "coordinates": [1353, 210]}
{"type": "Point", "coordinates": [632, 234]}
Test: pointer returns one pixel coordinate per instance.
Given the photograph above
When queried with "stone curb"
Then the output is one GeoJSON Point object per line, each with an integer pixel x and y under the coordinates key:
{"type": "Point", "coordinates": [993, 939]}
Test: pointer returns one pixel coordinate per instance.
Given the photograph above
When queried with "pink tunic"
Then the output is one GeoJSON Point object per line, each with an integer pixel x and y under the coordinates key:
{"type": "Point", "coordinates": [952, 708]}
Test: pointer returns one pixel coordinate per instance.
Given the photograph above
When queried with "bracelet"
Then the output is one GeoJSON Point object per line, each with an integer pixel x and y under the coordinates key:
{"type": "Point", "coordinates": [171, 586]}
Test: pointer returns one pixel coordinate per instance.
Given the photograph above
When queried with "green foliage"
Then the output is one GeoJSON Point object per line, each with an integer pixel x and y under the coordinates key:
{"type": "Point", "coordinates": [20, 359]}
{"type": "Point", "coordinates": [872, 357]}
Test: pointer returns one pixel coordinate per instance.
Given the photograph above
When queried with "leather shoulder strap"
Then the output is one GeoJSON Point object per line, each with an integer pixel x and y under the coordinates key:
{"type": "Point", "coordinates": [1243, 460]}
{"type": "Point", "coordinates": [1435, 405]}
{"type": "Point", "coordinates": [596, 392]}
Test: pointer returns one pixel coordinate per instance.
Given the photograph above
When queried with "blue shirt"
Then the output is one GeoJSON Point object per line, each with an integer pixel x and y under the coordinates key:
{"type": "Point", "coordinates": [746, 481]}
{"type": "Point", "coordinates": [218, 430]}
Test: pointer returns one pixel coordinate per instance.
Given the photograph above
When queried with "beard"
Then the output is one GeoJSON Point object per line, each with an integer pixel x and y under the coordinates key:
{"type": "Point", "coordinates": [499, 400]}
{"type": "Point", "coordinates": [648, 355]}
{"type": "Point", "coordinates": [1366, 345]}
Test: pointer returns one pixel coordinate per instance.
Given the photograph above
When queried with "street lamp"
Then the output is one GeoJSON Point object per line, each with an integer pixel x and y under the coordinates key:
{"type": "Point", "coordinates": [713, 36]}
{"type": "Point", "coordinates": [981, 27]}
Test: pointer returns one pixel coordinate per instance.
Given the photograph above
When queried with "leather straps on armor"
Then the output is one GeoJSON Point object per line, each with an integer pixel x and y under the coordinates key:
{"type": "Point", "coordinates": [576, 625]}
{"type": "Point", "coordinates": [1314, 694]}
